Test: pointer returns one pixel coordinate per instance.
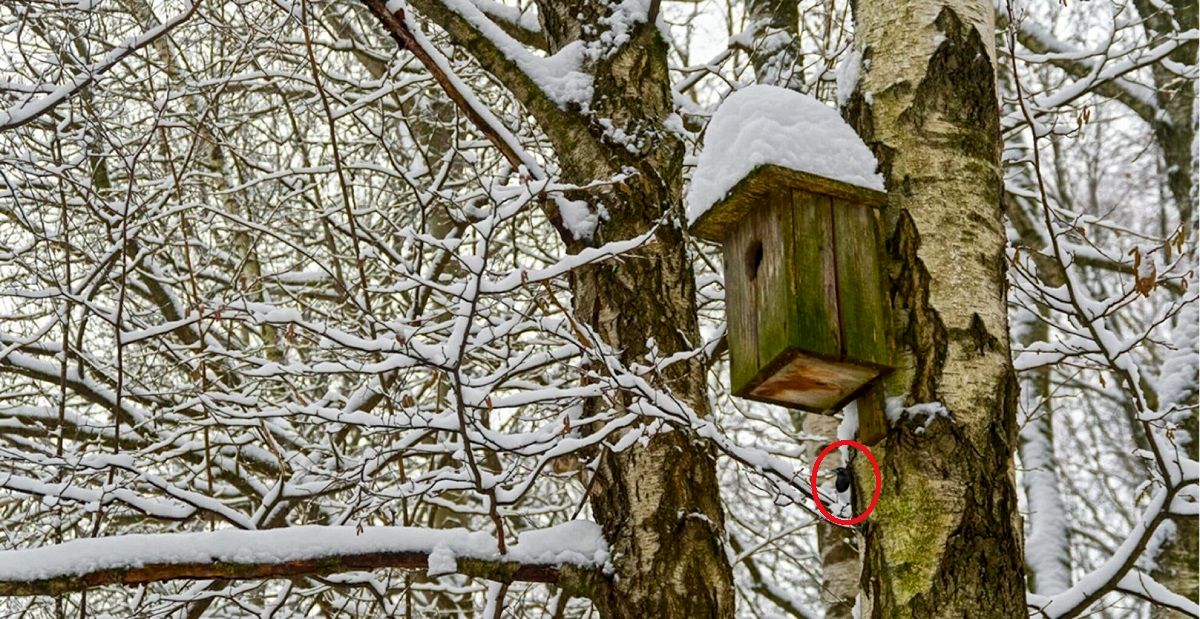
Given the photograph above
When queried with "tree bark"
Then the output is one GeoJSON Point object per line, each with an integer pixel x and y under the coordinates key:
{"type": "Point", "coordinates": [777, 54]}
{"type": "Point", "coordinates": [777, 60]}
{"type": "Point", "coordinates": [945, 537]}
{"type": "Point", "coordinates": [1174, 127]}
{"type": "Point", "coordinates": [658, 504]}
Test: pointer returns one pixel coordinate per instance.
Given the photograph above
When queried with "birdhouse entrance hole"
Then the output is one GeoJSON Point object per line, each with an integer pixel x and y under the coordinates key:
{"type": "Point", "coordinates": [754, 260]}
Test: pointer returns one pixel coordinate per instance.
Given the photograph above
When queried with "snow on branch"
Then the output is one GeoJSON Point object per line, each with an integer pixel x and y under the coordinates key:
{"type": "Point", "coordinates": [1116, 573]}
{"type": "Point", "coordinates": [28, 111]}
{"type": "Point", "coordinates": [1100, 74]}
{"type": "Point", "coordinates": [571, 554]}
{"type": "Point", "coordinates": [1104, 331]}
{"type": "Point", "coordinates": [546, 86]}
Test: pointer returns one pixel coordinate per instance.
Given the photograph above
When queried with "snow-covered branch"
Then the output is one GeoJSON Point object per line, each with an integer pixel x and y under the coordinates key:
{"type": "Point", "coordinates": [571, 555]}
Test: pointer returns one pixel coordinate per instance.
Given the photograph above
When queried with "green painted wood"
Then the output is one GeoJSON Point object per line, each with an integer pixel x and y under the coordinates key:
{"type": "Point", "coordinates": [862, 302]}
{"type": "Point", "coordinates": [872, 417]}
{"type": "Point", "coordinates": [773, 286]}
{"type": "Point", "coordinates": [740, 309]}
{"type": "Point", "coordinates": [814, 280]}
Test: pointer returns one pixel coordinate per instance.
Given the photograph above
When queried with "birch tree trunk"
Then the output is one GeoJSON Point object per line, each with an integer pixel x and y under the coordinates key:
{"type": "Point", "coordinates": [658, 504]}
{"type": "Point", "coordinates": [945, 538]}
{"type": "Point", "coordinates": [837, 545]}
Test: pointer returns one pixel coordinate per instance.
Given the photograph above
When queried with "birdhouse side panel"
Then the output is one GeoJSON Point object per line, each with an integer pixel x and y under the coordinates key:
{"type": "Point", "coordinates": [774, 286]}
{"type": "Point", "coordinates": [862, 299]}
{"type": "Point", "coordinates": [741, 310]}
{"type": "Point", "coordinates": [814, 278]}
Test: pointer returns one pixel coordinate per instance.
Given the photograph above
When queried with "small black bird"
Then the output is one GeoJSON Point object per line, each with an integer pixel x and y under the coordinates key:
{"type": "Point", "coordinates": [842, 484]}
{"type": "Point", "coordinates": [843, 479]}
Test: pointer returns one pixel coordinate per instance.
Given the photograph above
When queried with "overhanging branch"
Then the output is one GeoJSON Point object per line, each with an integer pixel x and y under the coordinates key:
{"type": "Point", "coordinates": [567, 129]}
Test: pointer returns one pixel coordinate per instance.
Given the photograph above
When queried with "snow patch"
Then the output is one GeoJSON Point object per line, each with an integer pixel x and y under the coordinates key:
{"type": "Point", "coordinates": [578, 217]}
{"type": "Point", "coordinates": [561, 76]}
{"type": "Point", "coordinates": [929, 411]}
{"type": "Point", "coordinates": [847, 73]}
{"type": "Point", "coordinates": [442, 561]}
{"type": "Point", "coordinates": [849, 425]}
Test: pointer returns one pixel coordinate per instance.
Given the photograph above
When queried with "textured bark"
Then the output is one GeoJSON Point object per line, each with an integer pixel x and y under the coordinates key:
{"type": "Point", "coordinates": [777, 60]}
{"type": "Point", "coordinates": [944, 540]}
{"type": "Point", "coordinates": [1176, 129]}
{"type": "Point", "coordinates": [658, 504]}
{"type": "Point", "coordinates": [776, 55]}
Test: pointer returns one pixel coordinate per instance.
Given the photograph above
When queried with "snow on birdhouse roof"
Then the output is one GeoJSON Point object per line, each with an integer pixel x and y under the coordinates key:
{"type": "Point", "coordinates": [767, 125]}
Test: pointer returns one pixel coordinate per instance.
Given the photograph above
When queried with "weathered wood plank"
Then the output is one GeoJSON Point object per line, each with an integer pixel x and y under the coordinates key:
{"type": "Point", "coordinates": [718, 222]}
{"type": "Point", "coordinates": [773, 287]}
{"type": "Point", "coordinates": [740, 309]}
{"type": "Point", "coordinates": [862, 302]}
{"type": "Point", "coordinates": [872, 415]}
{"type": "Point", "coordinates": [814, 277]}
{"type": "Point", "coordinates": [811, 383]}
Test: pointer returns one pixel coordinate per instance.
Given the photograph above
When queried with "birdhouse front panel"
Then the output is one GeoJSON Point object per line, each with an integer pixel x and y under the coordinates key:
{"type": "Point", "coordinates": [804, 296]}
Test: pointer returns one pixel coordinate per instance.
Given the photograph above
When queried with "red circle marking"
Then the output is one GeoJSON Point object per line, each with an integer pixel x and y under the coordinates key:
{"type": "Point", "coordinates": [874, 498]}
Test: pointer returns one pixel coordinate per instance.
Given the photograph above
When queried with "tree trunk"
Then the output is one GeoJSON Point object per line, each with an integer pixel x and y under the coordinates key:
{"type": "Point", "coordinates": [839, 550]}
{"type": "Point", "coordinates": [777, 53]}
{"type": "Point", "coordinates": [1048, 547]}
{"type": "Point", "coordinates": [1175, 132]}
{"type": "Point", "coordinates": [777, 61]}
{"type": "Point", "coordinates": [658, 504]}
{"type": "Point", "coordinates": [1174, 128]}
{"type": "Point", "coordinates": [1049, 543]}
{"type": "Point", "coordinates": [945, 538]}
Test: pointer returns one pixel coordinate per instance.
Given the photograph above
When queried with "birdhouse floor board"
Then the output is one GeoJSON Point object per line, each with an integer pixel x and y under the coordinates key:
{"type": "Point", "coordinates": [811, 383]}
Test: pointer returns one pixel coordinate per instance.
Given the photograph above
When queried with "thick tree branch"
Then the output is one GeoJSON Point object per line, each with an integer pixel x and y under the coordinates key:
{"type": "Point", "coordinates": [300, 552]}
{"type": "Point", "coordinates": [522, 26]}
{"type": "Point", "coordinates": [565, 128]}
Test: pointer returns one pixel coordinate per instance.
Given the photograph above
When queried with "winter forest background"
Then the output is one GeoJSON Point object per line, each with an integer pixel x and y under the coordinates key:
{"type": "Point", "coordinates": [269, 265]}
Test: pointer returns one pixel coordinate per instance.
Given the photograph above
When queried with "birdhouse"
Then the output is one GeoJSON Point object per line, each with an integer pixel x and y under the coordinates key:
{"type": "Point", "coordinates": [804, 293]}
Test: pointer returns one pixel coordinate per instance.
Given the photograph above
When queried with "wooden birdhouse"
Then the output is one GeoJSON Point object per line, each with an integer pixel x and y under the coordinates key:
{"type": "Point", "coordinates": [804, 288]}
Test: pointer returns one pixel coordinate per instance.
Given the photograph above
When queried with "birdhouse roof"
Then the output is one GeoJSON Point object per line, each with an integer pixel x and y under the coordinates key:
{"type": "Point", "coordinates": [766, 133]}
{"type": "Point", "coordinates": [752, 190]}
